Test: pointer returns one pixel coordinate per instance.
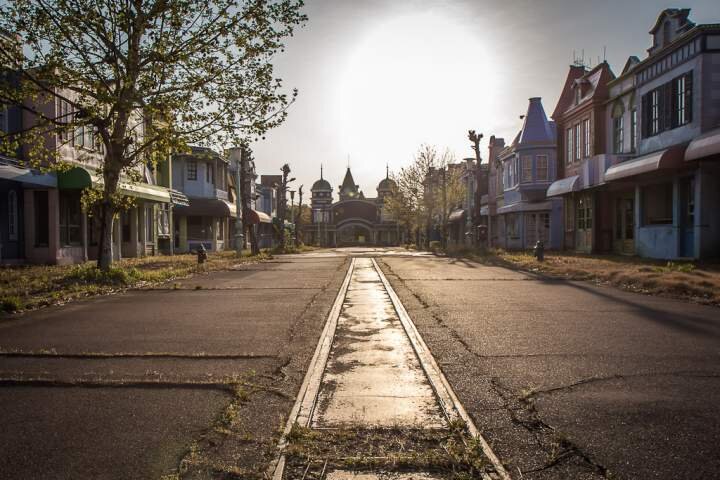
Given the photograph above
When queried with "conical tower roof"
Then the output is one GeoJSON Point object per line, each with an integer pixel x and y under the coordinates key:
{"type": "Point", "coordinates": [348, 182]}
{"type": "Point", "coordinates": [536, 128]}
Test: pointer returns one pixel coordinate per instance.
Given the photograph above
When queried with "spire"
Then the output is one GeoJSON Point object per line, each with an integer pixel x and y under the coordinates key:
{"type": "Point", "coordinates": [387, 171]}
{"type": "Point", "coordinates": [321, 172]}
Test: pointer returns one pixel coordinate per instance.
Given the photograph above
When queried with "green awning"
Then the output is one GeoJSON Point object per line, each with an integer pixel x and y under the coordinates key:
{"type": "Point", "coordinates": [80, 177]}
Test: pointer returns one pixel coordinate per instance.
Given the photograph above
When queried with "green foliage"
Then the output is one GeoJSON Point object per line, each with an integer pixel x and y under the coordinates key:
{"type": "Point", "coordinates": [138, 81]}
{"type": "Point", "coordinates": [11, 303]}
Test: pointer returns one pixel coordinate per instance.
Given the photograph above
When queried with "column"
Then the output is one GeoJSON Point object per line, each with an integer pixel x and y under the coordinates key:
{"type": "Point", "coordinates": [84, 234]}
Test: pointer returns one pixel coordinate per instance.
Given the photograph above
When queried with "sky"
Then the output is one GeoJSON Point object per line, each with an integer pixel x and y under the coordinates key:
{"type": "Point", "coordinates": [378, 78]}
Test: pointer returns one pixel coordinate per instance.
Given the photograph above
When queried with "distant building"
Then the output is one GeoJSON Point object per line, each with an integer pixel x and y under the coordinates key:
{"type": "Point", "coordinates": [203, 176]}
{"type": "Point", "coordinates": [354, 219]}
{"type": "Point", "coordinates": [528, 166]}
{"type": "Point", "coordinates": [582, 159]}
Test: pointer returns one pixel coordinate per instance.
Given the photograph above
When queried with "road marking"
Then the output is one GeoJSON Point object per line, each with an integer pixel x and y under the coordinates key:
{"type": "Point", "coordinates": [373, 377]}
{"type": "Point", "coordinates": [442, 387]}
{"type": "Point", "coordinates": [363, 311]}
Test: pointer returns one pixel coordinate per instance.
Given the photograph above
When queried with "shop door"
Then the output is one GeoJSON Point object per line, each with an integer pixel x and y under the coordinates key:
{"type": "Point", "coordinates": [625, 225]}
{"type": "Point", "coordinates": [687, 217]}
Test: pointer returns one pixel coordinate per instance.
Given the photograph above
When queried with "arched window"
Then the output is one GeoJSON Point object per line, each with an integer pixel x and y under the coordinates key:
{"type": "Point", "coordinates": [618, 116]}
{"type": "Point", "coordinates": [12, 216]}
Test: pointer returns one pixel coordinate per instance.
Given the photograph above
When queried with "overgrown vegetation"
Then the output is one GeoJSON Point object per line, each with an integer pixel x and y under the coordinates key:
{"type": "Point", "coordinates": [447, 453]}
{"type": "Point", "coordinates": [34, 286]}
{"type": "Point", "coordinates": [698, 282]}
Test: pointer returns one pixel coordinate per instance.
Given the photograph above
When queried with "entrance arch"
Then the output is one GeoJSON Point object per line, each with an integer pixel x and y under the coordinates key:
{"type": "Point", "coordinates": [353, 234]}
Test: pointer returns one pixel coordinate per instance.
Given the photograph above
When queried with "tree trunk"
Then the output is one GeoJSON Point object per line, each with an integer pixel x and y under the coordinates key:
{"type": "Point", "coordinates": [105, 250]}
{"type": "Point", "coordinates": [254, 250]}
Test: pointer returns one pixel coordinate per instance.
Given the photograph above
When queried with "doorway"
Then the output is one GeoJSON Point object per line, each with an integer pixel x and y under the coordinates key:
{"type": "Point", "coordinates": [687, 217]}
{"type": "Point", "coordinates": [624, 242]}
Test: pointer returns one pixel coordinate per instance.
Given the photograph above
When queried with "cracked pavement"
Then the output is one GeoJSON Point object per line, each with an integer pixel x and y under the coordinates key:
{"type": "Point", "coordinates": [567, 379]}
{"type": "Point", "coordinates": [196, 377]}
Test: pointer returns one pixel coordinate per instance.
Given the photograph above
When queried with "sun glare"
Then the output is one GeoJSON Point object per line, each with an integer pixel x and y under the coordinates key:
{"type": "Point", "coordinates": [421, 78]}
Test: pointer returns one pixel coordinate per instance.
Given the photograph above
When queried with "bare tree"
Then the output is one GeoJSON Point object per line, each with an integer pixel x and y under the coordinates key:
{"type": "Point", "coordinates": [417, 201]}
{"type": "Point", "coordinates": [146, 77]}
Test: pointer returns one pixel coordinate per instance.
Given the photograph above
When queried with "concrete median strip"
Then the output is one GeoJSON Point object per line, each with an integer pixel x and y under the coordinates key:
{"type": "Point", "coordinates": [372, 381]}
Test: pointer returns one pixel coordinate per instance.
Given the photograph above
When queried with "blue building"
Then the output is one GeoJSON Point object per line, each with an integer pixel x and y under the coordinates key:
{"type": "Point", "coordinates": [527, 167]}
{"type": "Point", "coordinates": [667, 184]}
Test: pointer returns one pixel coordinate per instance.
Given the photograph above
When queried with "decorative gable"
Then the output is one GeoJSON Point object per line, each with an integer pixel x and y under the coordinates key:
{"type": "Point", "coordinates": [671, 23]}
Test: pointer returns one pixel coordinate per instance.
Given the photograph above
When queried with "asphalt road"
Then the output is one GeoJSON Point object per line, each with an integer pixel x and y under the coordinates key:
{"type": "Point", "coordinates": [569, 380]}
{"type": "Point", "coordinates": [130, 386]}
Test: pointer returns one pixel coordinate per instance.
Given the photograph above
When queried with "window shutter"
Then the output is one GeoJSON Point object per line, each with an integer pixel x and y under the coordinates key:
{"type": "Point", "coordinates": [645, 115]}
{"type": "Point", "coordinates": [667, 107]}
{"type": "Point", "coordinates": [689, 96]}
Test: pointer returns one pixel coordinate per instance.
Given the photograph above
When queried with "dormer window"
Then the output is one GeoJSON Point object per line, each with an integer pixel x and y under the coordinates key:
{"type": "Point", "coordinates": [578, 94]}
{"type": "Point", "coordinates": [667, 32]}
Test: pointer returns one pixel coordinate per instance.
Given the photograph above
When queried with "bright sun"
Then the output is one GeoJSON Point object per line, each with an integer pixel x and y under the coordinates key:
{"type": "Point", "coordinates": [416, 79]}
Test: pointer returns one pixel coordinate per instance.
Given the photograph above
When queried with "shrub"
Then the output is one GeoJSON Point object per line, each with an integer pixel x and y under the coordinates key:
{"type": "Point", "coordinates": [11, 304]}
{"type": "Point", "coordinates": [434, 246]}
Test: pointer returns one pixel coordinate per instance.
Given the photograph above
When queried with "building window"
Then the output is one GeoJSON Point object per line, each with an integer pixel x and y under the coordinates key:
{"type": "Point", "coordinates": [657, 204]}
{"type": "Point", "coordinates": [586, 127]}
{"type": "Point", "coordinates": [192, 170]}
{"type": "Point", "coordinates": [618, 134]}
{"type": "Point", "coordinates": [79, 136]}
{"type": "Point", "coordinates": [164, 221]}
{"type": "Point", "coordinates": [633, 129]}
{"type": "Point", "coordinates": [12, 216]}
{"type": "Point", "coordinates": [42, 218]}
{"type": "Point", "coordinates": [568, 146]}
{"type": "Point", "coordinates": [209, 173]}
{"type": "Point", "coordinates": [668, 106]}
{"type": "Point", "coordinates": [221, 229]}
{"type": "Point", "coordinates": [584, 213]}
{"type": "Point", "coordinates": [149, 223]}
{"type": "Point", "coordinates": [578, 142]}
{"type": "Point", "coordinates": [541, 167]}
{"type": "Point", "coordinates": [511, 226]}
{"type": "Point", "coordinates": [682, 94]}
{"type": "Point", "coordinates": [70, 219]}
{"type": "Point", "coordinates": [526, 161]}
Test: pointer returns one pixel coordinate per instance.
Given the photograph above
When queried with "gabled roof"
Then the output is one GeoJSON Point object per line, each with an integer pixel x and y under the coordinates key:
{"type": "Point", "coordinates": [593, 84]}
{"type": "Point", "coordinates": [630, 64]}
{"type": "Point", "coordinates": [566, 95]}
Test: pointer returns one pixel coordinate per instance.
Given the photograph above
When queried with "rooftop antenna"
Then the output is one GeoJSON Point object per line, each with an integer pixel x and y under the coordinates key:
{"type": "Point", "coordinates": [387, 170]}
{"type": "Point", "coordinates": [604, 53]}
{"type": "Point", "coordinates": [348, 162]}
{"type": "Point", "coordinates": [321, 171]}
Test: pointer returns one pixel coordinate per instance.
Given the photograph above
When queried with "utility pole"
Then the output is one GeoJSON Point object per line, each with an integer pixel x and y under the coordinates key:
{"type": "Point", "coordinates": [298, 221]}
{"type": "Point", "coordinates": [475, 139]}
{"type": "Point", "coordinates": [239, 237]}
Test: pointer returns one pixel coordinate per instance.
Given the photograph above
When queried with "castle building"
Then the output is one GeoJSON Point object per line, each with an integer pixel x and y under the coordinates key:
{"type": "Point", "coordinates": [354, 219]}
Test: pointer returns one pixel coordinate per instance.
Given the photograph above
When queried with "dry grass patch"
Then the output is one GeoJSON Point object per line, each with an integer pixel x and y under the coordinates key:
{"type": "Point", "coordinates": [698, 282]}
{"type": "Point", "coordinates": [32, 286]}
